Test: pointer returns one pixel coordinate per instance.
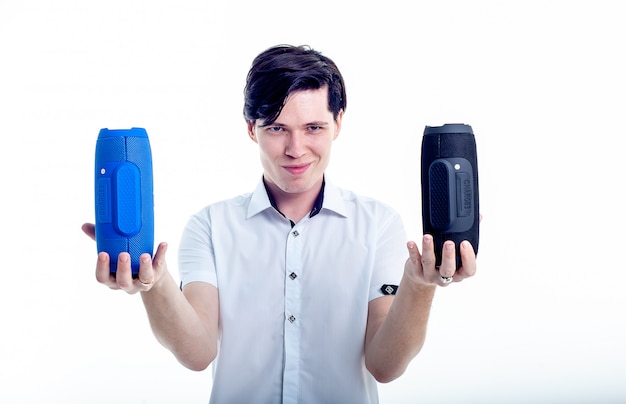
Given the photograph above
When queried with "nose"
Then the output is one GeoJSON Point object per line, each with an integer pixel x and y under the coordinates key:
{"type": "Point", "coordinates": [296, 144]}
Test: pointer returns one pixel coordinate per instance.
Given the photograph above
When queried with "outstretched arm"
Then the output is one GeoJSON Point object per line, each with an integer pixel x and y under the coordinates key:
{"type": "Point", "coordinates": [184, 322]}
{"type": "Point", "coordinates": [396, 327]}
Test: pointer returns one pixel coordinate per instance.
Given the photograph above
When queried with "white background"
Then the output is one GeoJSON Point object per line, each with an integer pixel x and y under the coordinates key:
{"type": "Point", "coordinates": [541, 82]}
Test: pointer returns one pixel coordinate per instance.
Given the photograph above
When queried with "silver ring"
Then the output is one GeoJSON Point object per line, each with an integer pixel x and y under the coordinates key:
{"type": "Point", "coordinates": [445, 280]}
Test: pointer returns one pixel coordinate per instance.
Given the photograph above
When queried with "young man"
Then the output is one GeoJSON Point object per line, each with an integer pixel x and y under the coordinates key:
{"type": "Point", "coordinates": [299, 291]}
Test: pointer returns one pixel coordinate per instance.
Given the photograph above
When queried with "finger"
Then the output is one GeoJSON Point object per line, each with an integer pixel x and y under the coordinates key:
{"type": "Point", "coordinates": [428, 259]}
{"type": "Point", "coordinates": [103, 271]}
{"type": "Point", "coordinates": [150, 269]}
{"type": "Point", "coordinates": [159, 256]}
{"type": "Point", "coordinates": [414, 262]}
{"type": "Point", "coordinates": [124, 273]}
{"type": "Point", "coordinates": [414, 254]}
{"type": "Point", "coordinates": [146, 273]}
{"type": "Point", "coordinates": [90, 230]}
{"type": "Point", "coordinates": [468, 260]}
{"type": "Point", "coordinates": [448, 260]}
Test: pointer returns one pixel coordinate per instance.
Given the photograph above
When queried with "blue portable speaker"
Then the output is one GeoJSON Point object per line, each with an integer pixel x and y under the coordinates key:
{"type": "Point", "coordinates": [124, 201]}
{"type": "Point", "coordinates": [449, 167]}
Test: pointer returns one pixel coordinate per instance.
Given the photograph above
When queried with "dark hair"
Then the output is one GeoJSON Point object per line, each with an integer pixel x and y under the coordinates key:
{"type": "Point", "coordinates": [284, 69]}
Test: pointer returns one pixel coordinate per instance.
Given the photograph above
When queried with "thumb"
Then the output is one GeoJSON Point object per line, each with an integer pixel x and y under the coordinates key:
{"type": "Point", "coordinates": [89, 229]}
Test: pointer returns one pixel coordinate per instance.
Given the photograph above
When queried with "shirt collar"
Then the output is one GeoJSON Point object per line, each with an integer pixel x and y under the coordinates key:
{"type": "Point", "coordinates": [333, 199]}
{"type": "Point", "coordinates": [328, 198]}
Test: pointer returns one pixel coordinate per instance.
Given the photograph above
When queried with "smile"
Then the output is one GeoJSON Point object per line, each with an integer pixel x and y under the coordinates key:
{"type": "Point", "coordinates": [297, 169]}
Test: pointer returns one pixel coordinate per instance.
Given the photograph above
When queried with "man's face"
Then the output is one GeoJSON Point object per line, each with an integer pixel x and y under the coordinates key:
{"type": "Point", "coordinates": [295, 149]}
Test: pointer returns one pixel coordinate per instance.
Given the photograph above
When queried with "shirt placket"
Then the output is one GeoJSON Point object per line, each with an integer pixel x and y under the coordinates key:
{"type": "Point", "coordinates": [293, 267]}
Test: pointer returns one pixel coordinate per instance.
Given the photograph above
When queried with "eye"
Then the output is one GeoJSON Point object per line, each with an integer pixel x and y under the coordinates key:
{"type": "Point", "coordinates": [274, 129]}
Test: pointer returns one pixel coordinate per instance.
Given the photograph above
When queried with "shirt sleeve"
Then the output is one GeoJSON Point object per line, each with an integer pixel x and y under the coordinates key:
{"type": "Point", "coordinates": [391, 253]}
{"type": "Point", "coordinates": [196, 258]}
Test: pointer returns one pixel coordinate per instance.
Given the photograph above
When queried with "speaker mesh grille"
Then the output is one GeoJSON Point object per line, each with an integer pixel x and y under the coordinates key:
{"type": "Point", "coordinates": [439, 196]}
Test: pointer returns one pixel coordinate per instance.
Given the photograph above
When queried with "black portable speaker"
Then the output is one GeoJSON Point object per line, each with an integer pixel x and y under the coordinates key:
{"type": "Point", "coordinates": [450, 186]}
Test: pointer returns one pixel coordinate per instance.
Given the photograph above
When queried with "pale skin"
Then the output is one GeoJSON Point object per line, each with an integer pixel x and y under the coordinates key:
{"type": "Point", "coordinates": [294, 151]}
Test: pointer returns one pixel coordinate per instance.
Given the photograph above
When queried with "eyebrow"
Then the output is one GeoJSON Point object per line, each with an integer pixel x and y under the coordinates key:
{"type": "Point", "coordinates": [317, 123]}
{"type": "Point", "coordinates": [313, 123]}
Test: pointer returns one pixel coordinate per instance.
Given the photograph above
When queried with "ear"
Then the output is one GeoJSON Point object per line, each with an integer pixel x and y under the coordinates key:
{"type": "Point", "coordinates": [252, 131]}
{"type": "Point", "coordinates": [338, 124]}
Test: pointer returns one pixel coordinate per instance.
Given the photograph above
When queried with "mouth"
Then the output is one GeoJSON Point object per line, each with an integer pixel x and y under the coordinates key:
{"type": "Point", "coordinates": [297, 169]}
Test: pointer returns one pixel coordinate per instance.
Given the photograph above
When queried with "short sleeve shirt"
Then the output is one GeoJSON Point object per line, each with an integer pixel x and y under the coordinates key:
{"type": "Point", "coordinates": [293, 298]}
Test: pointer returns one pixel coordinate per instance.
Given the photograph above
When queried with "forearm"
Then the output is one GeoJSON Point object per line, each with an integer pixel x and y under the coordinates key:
{"type": "Point", "coordinates": [401, 335]}
{"type": "Point", "coordinates": [178, 326]}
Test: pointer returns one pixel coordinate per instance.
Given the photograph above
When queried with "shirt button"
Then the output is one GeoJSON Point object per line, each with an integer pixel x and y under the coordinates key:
{"type": "Point", "coordinates": [295, 233]}
{"type": "Point", "coordinates": [293, 275]}
{"type": "Point", "coordinates": [291, 319]}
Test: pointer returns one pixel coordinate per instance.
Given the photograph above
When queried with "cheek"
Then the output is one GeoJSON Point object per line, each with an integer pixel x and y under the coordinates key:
{"type": "Point", "coordinates": [269, 149]}
{"type": "Point", "coordinates": [323, 152]}
{"type": "Point", "coordinates": [326, 146]}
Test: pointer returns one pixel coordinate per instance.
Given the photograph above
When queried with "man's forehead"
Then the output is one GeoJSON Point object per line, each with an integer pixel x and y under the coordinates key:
{"type": "Point", "coordinates": [307, 106]}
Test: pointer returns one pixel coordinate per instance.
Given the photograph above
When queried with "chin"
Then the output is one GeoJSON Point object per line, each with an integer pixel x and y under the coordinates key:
{"type": "Point", "coordinates": [297, 186]}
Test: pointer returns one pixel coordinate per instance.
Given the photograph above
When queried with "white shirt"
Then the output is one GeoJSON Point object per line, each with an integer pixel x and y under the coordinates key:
{"type": "Point", "coordinates": [293, 301]}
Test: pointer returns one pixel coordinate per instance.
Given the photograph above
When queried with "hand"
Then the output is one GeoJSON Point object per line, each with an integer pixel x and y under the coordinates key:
{"type": "Point", "coordinates": [150, 270]}
{"type": "Point", "coordinates": [421, 267]}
